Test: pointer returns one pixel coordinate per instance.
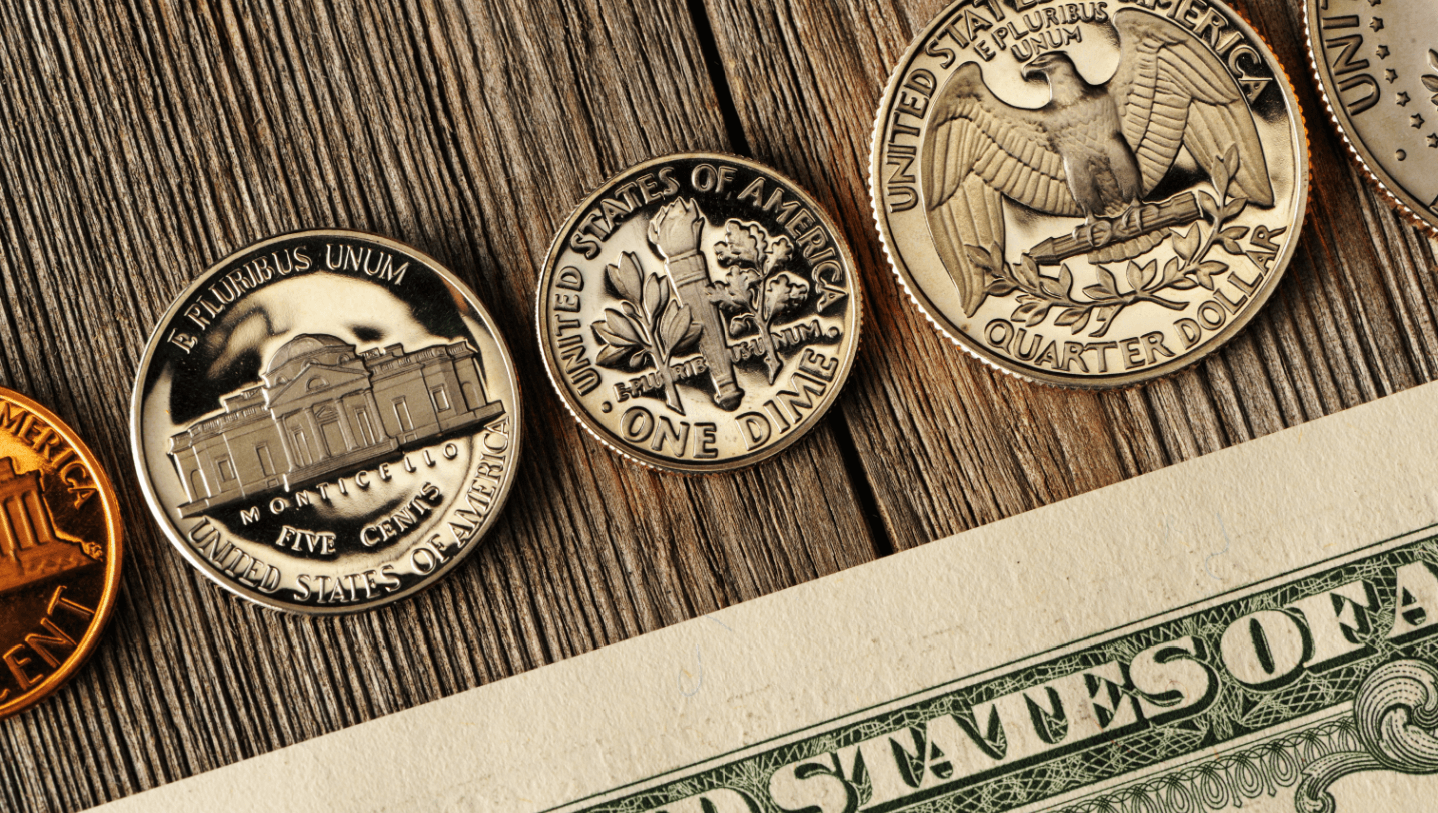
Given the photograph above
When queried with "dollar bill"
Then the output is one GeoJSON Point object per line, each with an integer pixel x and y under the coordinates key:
{"type": "Point", "coordinates": [1253, 630]}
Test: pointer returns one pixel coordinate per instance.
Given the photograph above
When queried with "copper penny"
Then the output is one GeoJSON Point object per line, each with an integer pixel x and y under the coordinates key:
{"type": "Point", "coordinates": [60, 551]}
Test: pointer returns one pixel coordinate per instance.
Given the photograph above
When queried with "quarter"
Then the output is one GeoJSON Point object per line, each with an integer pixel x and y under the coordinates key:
{"type": "Point", "coordinates": [1089, 194]}
{"type": "Point", "coordinates": [60, 552]}
{"type": "Point", "coordinates": [326, 421]}
{"type": "Point", "coordinates": [1377, 66]}
{"type": "Point", "coordinates": [698, 312]}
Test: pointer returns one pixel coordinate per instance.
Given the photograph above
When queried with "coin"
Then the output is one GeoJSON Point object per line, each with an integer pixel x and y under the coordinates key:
{"type": "Point", "coordinates": [1377, 67]}
{"type": "Point", "coordinates": [60, 552]}
{"type": "Point", "coordinates": [1084, 195]}
{"type": "Point", "coordinates": [326, 421]}
{"type": "Point", "coordinates": [698, 312]}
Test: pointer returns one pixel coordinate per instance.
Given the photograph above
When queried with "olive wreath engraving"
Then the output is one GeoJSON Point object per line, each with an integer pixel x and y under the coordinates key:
{"type": "Point", "coordinates": [1040, 294]}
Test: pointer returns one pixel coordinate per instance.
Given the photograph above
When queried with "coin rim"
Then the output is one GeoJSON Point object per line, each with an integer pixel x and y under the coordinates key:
{"type": "Point", "coordinates": [950, 331]}
{"type": "Point", "coordinates": [114, 557]}
{"type": "Point", "coordinates": [556, 248]}
{"type": "Point", "coordinates": [1392, 193]}
{"type": "Point", "coordinates": [172, 533]}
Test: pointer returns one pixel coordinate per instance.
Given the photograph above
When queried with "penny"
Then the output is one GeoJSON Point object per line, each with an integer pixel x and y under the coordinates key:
{"type": "Point", "coordinates": [1377, 66]}
{"type": "Point", "coordinates": [698, 312]}
{"type": "Point", "coordinates": [1089, 194]}
{"type": "Point", "coordinates": [60, 552]}
{"type": "Point", "coordinates": [326, 421]}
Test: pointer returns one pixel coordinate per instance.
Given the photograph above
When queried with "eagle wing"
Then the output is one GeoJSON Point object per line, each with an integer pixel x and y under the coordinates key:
{"type": "Point", "coordinates": [977, 150]}
{"type": "Point", "coordinates": [1171, 90]}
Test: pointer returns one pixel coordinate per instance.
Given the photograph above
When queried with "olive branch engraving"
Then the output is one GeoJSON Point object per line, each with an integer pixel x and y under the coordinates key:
{"type": "Point", "coordinates": [1430, 81]}
{"type": "Point", "coordinates": [756, 289]}
{"type": "Point", "coordinates": [1040, 294]}
{"type": "Point", "coordinates": [648, 328]}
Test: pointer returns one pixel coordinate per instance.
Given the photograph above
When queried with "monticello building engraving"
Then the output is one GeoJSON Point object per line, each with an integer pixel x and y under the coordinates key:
{"type": "Point", "coordinates": [30, 547]}
{"type": "Point", "coordinates": [323, 408]}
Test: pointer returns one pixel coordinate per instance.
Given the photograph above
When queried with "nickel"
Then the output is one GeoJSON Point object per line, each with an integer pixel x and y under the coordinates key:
{"type": "Point", "coordinates": [326, 421]}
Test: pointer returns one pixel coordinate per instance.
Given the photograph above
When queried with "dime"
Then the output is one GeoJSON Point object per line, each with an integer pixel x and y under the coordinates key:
{"type": "Point", "coordinates": [698, 312]}
{"type": "Point", "coordinates": [1377, 66]}
{"type": "Point", "coordinates": [1089, 194]}
{"type": "Point", "coordinates": [326, 421]}
{"type": "Point", "coordinates": [60, 552]}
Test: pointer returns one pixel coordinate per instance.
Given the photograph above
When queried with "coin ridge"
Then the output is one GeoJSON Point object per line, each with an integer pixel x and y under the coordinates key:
{"type": "Point", "coordinates": [152, 500]}
{"type": "Point", "coordinates": [556, 247]}
{"type": "Point", "coordinates": [1375, 181]}
{"type": "Point", "coordinates": [876, 140]}
{"type": "Point", "coordinates": [114, 559]}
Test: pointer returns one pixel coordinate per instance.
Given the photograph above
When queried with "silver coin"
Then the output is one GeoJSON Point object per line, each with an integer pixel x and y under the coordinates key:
{"type": "Point", "coordinates": [326, 421]}
{"type": "Point", "coordinates": [698, 313]}
{"type": "Point", "coordinates": [1088, 196]}
{"type": "Point", "coordinates": [1377, 65]}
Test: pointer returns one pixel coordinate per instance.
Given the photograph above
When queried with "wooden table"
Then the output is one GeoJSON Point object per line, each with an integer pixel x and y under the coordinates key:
{"type": "Point", "coordinates": [141, 141]}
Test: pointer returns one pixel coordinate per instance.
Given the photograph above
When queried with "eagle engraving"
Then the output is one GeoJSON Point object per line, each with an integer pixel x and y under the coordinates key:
{"type": "Point", "coordinates": [1094, 151]}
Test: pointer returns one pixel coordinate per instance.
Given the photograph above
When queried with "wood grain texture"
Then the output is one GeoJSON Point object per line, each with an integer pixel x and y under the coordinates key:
{"type": "Point", "coordinates": [946, 443]}
{"type": "Point", "coordinates": [141, 141]}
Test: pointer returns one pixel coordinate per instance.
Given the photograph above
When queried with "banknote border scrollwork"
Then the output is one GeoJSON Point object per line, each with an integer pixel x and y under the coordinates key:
{"type": "Point", "coordinates": [1395, 714]}
{"type": "Point", "coordinates": [1278, 736]}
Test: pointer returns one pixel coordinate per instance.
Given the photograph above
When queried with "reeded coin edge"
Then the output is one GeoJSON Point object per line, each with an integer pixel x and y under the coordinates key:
{"type": "Point", "coordinates": [177, 540]}
{"type": "Point", "coordinates": [662, 464]}
{"type": "Point", "coordinates": [1119, 382]}
{"type": "Point", "coordinates": [114, 556]}
{"type": "Point", "coordinates": [1394, 196]}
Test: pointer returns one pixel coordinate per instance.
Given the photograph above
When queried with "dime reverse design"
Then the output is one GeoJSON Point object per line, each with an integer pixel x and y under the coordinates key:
{"type": "Point", "coordinates": [1377, 65]}
{"type": "Point", "coordinates": [1089, 194]}
{"type": "Point", "coordinates": [698, 312]}
{"type": "Point", "coordinates": [326, 421]}
{"type": "Point", "coordinates": [60, 552]}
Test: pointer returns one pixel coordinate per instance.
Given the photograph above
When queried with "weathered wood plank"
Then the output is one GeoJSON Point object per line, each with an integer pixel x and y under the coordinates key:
{"type": "Point", "coordinates": [947, 443]}
{"type": "Point", "coordinates": [141, 141]}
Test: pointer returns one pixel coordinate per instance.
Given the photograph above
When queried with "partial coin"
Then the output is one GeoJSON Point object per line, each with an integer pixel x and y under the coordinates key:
{"type": "Point", "coordinates": [1377, 66]}
{"type": "Point", "coordinates": [698, 312]}
{"type": "Point", "coordinates": [60, 552]}
{"type": "Point", "coordinates": [326, 421]}
{"type": "Point", "coordinates": [1089, 196]}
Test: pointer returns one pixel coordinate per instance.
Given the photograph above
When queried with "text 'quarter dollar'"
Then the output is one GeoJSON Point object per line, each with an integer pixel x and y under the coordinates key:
{"type": "Point", "coordinates": [1089, 194]}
